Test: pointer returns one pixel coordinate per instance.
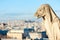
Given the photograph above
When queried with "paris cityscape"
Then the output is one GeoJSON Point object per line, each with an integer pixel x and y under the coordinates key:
{"type": "Point", "coordinates": [29, 19]}
{"type": "Point", "coordinates": [27, 28]}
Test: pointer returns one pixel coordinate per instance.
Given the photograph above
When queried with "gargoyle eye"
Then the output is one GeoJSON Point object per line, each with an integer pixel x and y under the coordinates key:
{"type": "Point", "coordinates": [40, 10]}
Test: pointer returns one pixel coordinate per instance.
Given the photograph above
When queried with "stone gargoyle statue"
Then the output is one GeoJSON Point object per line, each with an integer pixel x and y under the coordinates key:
{"type": "Point", "coordinates": [50, 21]}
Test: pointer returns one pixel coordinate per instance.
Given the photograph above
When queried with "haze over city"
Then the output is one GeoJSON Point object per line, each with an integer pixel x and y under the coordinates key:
{"type": "Point", "coordinates": [24, 9]}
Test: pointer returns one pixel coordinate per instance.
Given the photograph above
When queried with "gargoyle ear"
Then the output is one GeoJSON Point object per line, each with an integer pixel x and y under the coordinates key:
{"type": "Point", "coordinates": [47, 9]}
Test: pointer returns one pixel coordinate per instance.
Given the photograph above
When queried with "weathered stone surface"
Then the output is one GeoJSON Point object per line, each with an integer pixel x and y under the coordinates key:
{"type": "Point", "coordinates": [50, 21]}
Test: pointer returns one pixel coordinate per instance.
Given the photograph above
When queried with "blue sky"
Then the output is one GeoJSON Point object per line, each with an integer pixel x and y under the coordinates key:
{"type": "Point", "coordinates": [24, 9]}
